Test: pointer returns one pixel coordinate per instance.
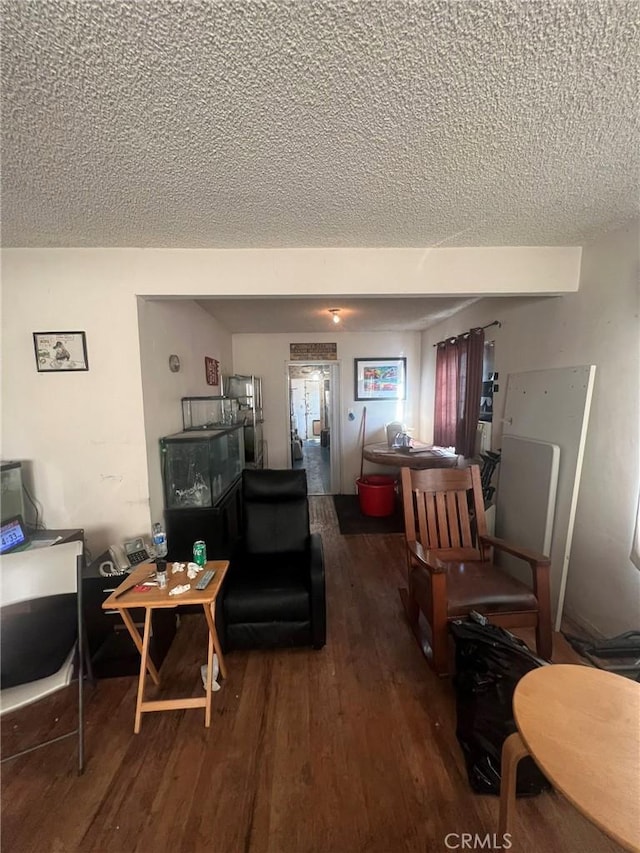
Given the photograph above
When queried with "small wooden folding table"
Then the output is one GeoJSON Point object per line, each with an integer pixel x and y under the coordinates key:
{"type": "Point", "coordinates": [131, 594]}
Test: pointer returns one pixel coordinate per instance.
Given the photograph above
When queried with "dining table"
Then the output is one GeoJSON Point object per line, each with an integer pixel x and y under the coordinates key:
{"type": "Point", "coordinates": [418, 455]}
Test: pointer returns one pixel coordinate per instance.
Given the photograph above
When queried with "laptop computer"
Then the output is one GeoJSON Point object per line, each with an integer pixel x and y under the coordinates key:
{"type": "Point", "coordinates": [13, 535]}
{"type": "Point", "coordinates": [16, 536]}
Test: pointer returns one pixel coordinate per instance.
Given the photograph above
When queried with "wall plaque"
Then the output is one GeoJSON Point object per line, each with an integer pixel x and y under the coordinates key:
{"type": "Point", "coordinates": [212, 370]}
{"type": "Point", "coordinates": [313, 352]}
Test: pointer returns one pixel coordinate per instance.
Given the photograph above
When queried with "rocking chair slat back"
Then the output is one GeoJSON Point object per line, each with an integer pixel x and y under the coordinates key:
{"type": "Point", "coordinates": [426, 518]}
{"type": "Point", "coordinates": [436, 506]}
{"type": "Point", "coordinates": [452, 514]}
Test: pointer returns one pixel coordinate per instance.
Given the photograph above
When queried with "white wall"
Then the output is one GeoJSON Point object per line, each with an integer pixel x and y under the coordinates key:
{"type": "Point", "coordinates": [267, 356]}
{"type": "Point", "coordinates": [82, 432]}
{"type": "Point", "coordinates": [598, 325]}
{"type": "Point", "coordinates": [188, 331]}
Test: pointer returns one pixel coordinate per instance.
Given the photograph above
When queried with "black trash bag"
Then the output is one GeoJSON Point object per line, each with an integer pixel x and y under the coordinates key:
{"type": "Point", "coordinates": [489, 663]}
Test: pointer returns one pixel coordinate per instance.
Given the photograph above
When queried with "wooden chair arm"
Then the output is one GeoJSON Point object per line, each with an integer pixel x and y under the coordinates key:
{"type": "Point", "coordinates": [540, 566]}
{"type": "Point", "coordinates": [534, 558]}
{"type": "Point", "coordinates": [426, 560]}
{"type": "Point", "coordinates": [437, 560]}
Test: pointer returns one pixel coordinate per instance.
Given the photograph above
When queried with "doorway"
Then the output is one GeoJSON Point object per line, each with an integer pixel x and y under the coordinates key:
{"type": "Point", "coordinates": [313, 407]}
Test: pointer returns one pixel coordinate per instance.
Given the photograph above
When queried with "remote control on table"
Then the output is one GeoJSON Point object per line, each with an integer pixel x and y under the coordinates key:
{"type": "Point", "coordinates": [206, 579]}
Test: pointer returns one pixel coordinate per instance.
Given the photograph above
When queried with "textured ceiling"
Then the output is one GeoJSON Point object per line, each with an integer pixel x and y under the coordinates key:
{"type": "Point", "coordinates": [317, 123]}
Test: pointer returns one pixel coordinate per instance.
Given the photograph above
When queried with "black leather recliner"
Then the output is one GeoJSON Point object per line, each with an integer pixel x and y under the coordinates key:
{"type": "Point", "coordinates": [274, 592]}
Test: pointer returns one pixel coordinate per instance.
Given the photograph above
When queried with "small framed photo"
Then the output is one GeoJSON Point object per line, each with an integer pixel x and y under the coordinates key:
{"type": "Point", "coordinates": [59, 352]}
{"type": "Point", "coordinates": [380, 378]}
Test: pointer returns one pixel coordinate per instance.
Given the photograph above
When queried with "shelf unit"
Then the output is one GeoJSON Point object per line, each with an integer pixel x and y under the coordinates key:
{"type": "Point", "coordinates": [247, 390]}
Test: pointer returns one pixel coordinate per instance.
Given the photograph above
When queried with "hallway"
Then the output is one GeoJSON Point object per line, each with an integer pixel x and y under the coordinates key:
{"type": "Point", "coordinates": [316, 461]}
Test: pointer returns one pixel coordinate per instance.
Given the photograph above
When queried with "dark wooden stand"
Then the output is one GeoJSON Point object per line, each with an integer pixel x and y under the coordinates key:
{"type": "Point", "coordinates": [111, 649]}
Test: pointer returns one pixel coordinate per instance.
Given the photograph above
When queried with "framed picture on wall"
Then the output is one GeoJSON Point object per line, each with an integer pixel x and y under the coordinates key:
{"type": "Point", "coordinates": [212, 370]}
{"type": "Point", "coordinates": [60, 352]}
{"type": "Point", "coordinates": [380, 379]}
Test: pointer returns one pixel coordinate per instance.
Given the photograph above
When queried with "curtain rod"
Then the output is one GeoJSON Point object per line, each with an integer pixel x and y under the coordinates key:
{"type": "Point", "coordinates": [464, 334]}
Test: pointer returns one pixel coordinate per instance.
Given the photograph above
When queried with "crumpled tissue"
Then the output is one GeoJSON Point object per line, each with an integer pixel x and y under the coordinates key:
{"type": "Point", "coordinates": [193, 570]}
{"type": "Point", "coordinates": [216, 669]}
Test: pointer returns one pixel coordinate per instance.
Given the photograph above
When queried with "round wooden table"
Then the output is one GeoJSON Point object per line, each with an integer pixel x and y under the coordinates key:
{"type": "Point", "coordinates": [582, 727]}
{"type": "Point", "coordinates": [421, 456]}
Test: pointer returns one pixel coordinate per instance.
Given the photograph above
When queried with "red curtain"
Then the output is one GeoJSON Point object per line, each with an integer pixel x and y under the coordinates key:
{"type": "Point", "coordinates": [446, 406]}
{"type": "Point", "coordinates": [470, 355]}
{"type": "Point", "coordinates": [458, 391]}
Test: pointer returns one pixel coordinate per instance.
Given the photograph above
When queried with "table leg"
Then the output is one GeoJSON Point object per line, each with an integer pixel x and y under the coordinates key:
{"type": "Point", "coordinates": [210, 616]}
{"type": "Point", "coordinates": [513, 751]}
{"type": "Point", "coordinates": [207, 707]}
{"type": "Point", "coordinates": [135, 636]}
{"type": "Point", "coordinates": [143, 668]}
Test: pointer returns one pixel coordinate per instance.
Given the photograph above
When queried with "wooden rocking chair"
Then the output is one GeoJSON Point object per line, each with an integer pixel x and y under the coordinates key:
{"type": "Point", "coordinates": [450, 564]}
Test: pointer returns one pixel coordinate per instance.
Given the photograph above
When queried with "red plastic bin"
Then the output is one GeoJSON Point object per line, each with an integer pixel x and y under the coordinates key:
{"type": "Point", "coordinates": [377, 494]}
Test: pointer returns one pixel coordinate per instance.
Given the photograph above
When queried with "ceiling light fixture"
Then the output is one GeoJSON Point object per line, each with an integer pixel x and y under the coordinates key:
{"type": "Point", "coordinates": [335, 314]}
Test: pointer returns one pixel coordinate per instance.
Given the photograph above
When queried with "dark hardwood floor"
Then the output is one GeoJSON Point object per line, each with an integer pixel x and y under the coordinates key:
{"type": "Point", "coordinates": [345, 750]}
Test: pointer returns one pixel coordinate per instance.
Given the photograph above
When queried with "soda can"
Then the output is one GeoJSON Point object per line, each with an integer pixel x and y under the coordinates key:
{"type": "Point", "coordinates": [199, 552]}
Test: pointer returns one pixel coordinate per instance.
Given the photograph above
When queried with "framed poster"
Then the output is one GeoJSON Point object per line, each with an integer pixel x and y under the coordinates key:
{"type": "Point", "coordinates": [380, 378]}
{"type": "Point", "coordinates": [212, 370]}
{"type": "Point", "coordinates": [58, 352]}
